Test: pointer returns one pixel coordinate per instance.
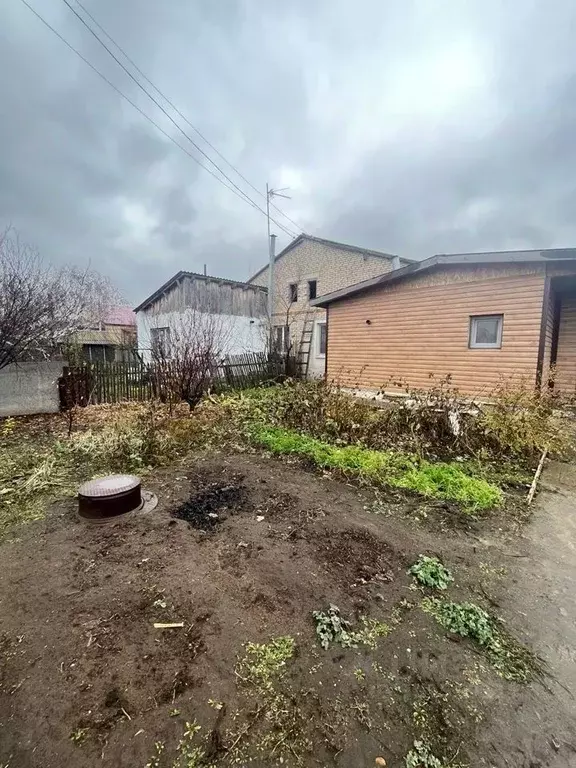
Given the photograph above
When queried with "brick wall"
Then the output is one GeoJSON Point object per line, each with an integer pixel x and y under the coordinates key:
{"type": "Point", "coordinates": [333, 268]}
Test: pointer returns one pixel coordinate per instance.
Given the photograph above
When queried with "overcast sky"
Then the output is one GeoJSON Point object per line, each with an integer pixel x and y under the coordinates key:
{"type": "Point", "coordinates": [411, 126]}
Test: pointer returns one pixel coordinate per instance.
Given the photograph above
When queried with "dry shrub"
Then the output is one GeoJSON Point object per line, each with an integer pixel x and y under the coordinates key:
{"type": "Point", "coordinates": [517, 423]}
{"type": "Point", "coordinates": [522, 421]}
{"type": "Point", "coordinates": [319, 408]}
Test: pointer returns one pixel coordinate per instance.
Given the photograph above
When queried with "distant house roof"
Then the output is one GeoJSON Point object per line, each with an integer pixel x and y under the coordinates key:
{"type": "Point", "coordinates": [197, 276]}
{"type": "Point", "coordinates": [120, 316]}
{"type": "Point", "coordinates": [110, 337]}
{"type": "Point", "coordinates": [455, 259]}
{"type": "Point", "coordinates": [334, 244]}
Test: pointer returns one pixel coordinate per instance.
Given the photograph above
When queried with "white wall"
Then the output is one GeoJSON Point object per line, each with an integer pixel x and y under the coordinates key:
{"type": "Point", "coordinates": [238, 334]}
{"type": "Point", "coordinates": [29, 388]}
{"type": "Point", "coordinates": [317, 361]}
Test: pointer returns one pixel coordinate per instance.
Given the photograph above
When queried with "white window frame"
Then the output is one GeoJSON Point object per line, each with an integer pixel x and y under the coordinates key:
{"type": "Point", "coordinates": [473, 344]}
{"type": "Point", "coordinates": [160, 341]}
{"type": "Point", "coordinates": [318, 337]}
{"type": "Point", "coordinates": [284, 334]}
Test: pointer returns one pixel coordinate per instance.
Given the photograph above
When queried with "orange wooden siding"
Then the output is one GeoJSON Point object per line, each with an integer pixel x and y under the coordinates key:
{"type": "Point", "coordinates": [566, 355]}
{"type": "Point", "coordinates": [421, 325]}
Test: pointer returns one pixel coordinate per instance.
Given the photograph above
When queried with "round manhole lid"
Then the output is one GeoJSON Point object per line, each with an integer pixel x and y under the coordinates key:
{"type": "Point", "coordinates": [109, 486]}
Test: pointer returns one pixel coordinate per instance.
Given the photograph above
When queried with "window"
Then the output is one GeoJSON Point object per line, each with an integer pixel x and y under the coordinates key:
{"type": "Point", "coordinates": [160, 340]}
{"type": "Point", "coordinates": [281, 338]}
{"type": "Point", "coordinates": [321, 343]}
{"type": "Point", "coordinates": [486, 331]}
{"type": "Point", "coordinates": [293, 292]}
{"type": "Point", "coordinates": [312, 286]}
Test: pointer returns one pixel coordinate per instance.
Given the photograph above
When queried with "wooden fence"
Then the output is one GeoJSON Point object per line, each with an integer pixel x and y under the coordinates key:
{"type": "Point", "coordinates": [101, 382]}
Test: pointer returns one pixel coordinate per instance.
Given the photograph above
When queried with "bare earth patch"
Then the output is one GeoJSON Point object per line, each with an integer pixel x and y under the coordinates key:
{"type": "Point", "coordinates": [242, 550]}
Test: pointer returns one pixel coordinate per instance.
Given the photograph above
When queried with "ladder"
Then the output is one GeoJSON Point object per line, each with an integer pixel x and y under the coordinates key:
{"type": "Point", "coordinates": [305, 346]}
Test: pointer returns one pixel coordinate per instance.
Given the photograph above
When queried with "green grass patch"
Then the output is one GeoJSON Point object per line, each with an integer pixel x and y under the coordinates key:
{"type": "Point", "coordinates": [441, 480]}
{"type": "Point", "coordinates": [510, 659]}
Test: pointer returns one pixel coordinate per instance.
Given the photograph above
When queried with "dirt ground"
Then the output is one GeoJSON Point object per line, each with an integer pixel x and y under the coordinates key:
{"type": "Point", "coordinates": [243, 549]}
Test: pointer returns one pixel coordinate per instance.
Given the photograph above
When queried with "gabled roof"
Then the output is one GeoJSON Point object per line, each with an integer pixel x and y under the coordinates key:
{"type": "Point", "coordinates": [120, 316]}
{"type": "Point", "coordinates": [455, 259]}
{"type": "Point", "coordinates": [334, 244]}
{"type": "Point", "coordinates": [196, 276]}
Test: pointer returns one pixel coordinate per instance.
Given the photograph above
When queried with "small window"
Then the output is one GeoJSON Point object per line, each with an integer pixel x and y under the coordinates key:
{"type": "Point", "coordinates": [281, 339]}
{"type": "Point", "coordinates": [293, 292]}
{"type": "Point", "coordinates": [160, 338]}
{"type": "Point", "coordinates": [312, 286]}
{"type": "Point", "coordinates": [486, 331]}
{"type": "Point", "coordinates": [321, 339]}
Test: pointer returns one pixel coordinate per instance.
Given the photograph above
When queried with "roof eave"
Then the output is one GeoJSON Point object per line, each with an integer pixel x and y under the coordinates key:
{"type": "Point", "coordinates": [183, 273]}
{"type": "Point", "coordinates": [457, 259]}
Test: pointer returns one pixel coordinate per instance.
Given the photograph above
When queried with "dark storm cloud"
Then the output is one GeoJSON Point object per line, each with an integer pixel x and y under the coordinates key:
{"type": "Point", "coordinates": [418, 127]}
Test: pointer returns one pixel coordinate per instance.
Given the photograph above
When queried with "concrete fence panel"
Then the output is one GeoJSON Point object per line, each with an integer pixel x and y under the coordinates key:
{"type": "Point", "coordinates": [30, 388]}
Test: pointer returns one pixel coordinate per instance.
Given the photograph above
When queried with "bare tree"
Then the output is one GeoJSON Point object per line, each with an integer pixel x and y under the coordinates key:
{"type": "Point", "coordinates": [40, 305]}
{"type": "Point", "coordinates": [186, 355]}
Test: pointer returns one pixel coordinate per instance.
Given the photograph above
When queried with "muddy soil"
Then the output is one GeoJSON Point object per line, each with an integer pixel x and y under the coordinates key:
{"type": "Point", "coordinates": [243, 549]}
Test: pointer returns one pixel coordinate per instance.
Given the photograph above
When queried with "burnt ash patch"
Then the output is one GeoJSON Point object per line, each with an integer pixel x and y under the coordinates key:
{"type": "Point", "coordinates": [208, 508]}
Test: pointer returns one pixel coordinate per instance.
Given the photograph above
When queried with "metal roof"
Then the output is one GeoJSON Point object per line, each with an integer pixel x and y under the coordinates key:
{"type": "Point", "coordinates": [335, 244]}
{"type": "Point", "coordinates": [197, 276]}
{"type": "Point", "coordinates": [120, 316]}
{"type": "Point", "coordinates": [455, 259]}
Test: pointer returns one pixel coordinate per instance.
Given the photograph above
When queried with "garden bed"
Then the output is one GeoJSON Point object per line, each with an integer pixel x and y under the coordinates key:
{"type": "Point", "coordinates": [317, 586]}
{"type": "Point", "coordinates": [88, 681]}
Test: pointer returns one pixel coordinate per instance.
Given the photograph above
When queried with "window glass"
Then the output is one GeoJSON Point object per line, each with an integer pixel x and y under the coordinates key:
{"type": "Point", "coordinates": [312, 288]}
{"type": "Point", "coordinates": [486, 331]}
{"type": "Point", "coordinates": [321, 338]}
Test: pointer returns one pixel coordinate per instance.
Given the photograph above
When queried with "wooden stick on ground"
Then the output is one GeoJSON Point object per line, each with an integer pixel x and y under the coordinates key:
{"type": "Point", "coordinates": [175, 625]}
{"type": "Point", "coordinates": [532, 490]}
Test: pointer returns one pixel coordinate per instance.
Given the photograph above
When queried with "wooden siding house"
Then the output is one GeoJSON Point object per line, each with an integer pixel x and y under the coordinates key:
{"type": "Point", "coordinates": [195, 303]}
{"type": "Point", "coordinates": [477, 317]}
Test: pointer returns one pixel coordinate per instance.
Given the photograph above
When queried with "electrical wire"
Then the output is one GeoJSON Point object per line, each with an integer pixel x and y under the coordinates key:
{"type": "Point", "coordinates": [144, 114]}
{"type": "Point", "coordinates": [178, 112]}
{"type": "Point", "coordinates": [176, 125]}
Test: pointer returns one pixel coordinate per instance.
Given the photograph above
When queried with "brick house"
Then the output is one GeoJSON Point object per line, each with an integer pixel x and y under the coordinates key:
{"type": "Point", "coordinates": [306, 268]}
{"type": "Point", "coordinates": [476, 316]}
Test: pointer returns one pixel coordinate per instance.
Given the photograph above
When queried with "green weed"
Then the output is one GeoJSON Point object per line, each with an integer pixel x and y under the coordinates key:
{"type": "Point", "coordinates": [420, 756]}
{"type": "Point", "coordinates": [510, 659]}
{"type": "Point", "coordinates": [79, 735]}
{"type": "Point", "coordinates": [277, 724]}
{"type": "Point", "coordinates": [441, 480]}
{"type": "Point", "coordinates": [187, 754]}
{"type": "Point", "coordinates": [430, 572]}
{"type": "Point", "coordinates": [265, 662]}
{"type": "Point", "coordinates": [370, 632]}
{"type": "Point", "coordinates": [331, 629]}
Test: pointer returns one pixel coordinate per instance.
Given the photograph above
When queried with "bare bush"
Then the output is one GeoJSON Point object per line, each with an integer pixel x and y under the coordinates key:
{"type": "Point", "coordinates": [186, 359]}
{"type": "Point", "coordinates": [40, 305]}
{"type": "Point", "coordinates": [517, 423]}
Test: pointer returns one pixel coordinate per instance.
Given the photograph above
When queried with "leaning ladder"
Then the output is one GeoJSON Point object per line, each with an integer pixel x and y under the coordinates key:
{"type": "Point", "coordinates": [305, 346]}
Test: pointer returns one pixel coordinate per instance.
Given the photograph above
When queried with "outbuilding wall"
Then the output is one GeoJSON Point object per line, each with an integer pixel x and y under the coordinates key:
{"type": "Point", "coordinates": [420, 326]}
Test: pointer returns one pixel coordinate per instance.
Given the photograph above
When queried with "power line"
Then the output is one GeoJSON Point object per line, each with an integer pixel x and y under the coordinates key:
{"type": "Point", "coordinates": [178, 112]}
{"type": "Point", "coordinates": [119, 92]}
{"type": "Point", "coordinates": [144, 114]}
{"type": "Point", "coordinates": [161, 108]}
